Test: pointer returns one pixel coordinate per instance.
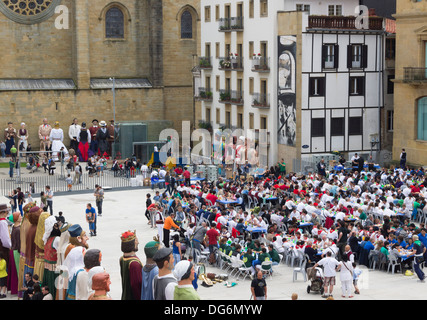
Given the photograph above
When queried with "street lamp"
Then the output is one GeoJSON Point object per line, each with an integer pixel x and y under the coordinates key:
{"type": "Point", "coordinates": [114, 117]}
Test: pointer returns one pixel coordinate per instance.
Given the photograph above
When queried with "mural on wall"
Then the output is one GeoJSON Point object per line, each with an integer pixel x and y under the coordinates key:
{"type": "Point", "coordinates": [286, 90]}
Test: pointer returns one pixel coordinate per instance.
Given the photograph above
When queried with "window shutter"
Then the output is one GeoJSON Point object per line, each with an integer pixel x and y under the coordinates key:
{"type": "Point", "coordinates": [361, 86]}
{"type": "Point", "coordinates": [324, 54]}
{"type": "Point", "coordinates": [364, 56]}
{"type": "Point", "coordinates": [321, 86]}
{"type": "Point", "coordinates": [336, 55]}
{"type": "Point", "coordinates": [349, 56]}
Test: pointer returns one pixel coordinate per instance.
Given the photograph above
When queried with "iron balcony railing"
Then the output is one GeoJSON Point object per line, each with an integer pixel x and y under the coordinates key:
{"type": "Point", "coordinates": [231, 24]}
{"type": "Point", "coordinates": [232, 62]}
{"type": "Point", "coordinates": [205, 62]}
{"type": "Point", "coordinates": [260, 64]}
{"type": "Point", "coordinates": [261, 100]}
{"type": "Point", "coordinates": [231, 96]}
{"type": "Point", "coordinates": [204, 94]}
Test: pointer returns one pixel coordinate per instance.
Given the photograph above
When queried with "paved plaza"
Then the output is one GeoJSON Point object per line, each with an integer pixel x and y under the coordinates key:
{"type": "Point", "coordinates": [124, 210]}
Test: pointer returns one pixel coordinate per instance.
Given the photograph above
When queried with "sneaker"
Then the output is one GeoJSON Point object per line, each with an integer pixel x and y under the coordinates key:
{"type": "Point", "coordinates": [324, 296]}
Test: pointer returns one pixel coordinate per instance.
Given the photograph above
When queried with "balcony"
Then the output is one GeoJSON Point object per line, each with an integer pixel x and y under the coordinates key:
{"type": "Point", "coordinates": [231, 97]}
{"type": "Point", "coordinates": [231, 24]}
{"type": "Point", "coordinates": [204, 94]}
{"type": "Point", "coordinates": [341, 22]}
{"type": "Point", "coordinates": [205, 63]}
{"type": "Point", "coordinates": [260, 64]}
{"type": "Point", "coordinates": [261, 100]}
{"type": "Point", "coordinates": [233, 62]}
{"type": "Point", "coordinates": [415, 75]}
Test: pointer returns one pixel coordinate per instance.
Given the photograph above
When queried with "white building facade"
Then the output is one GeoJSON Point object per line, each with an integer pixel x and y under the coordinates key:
{"type": "Point", "coordinates": [315, 85]}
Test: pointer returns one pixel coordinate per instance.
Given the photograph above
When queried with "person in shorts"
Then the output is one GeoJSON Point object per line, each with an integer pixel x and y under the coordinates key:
{"type": "Point", "coordinates": [329, 270]}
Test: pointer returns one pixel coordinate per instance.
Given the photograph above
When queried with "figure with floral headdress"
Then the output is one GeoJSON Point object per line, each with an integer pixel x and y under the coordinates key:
{"type": "Point", "coordinates": [130, 267]}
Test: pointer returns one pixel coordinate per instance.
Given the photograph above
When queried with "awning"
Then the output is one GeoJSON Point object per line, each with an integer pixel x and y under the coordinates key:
{"type": "Point", "coordinates": [120, 83]}
{"type": "Point", "coordinates": [36, 84]}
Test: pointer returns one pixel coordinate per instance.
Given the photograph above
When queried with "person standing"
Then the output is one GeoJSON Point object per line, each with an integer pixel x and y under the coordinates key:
{"type": "Point", "coordinates": [73, 134]}
{"type": "Point", "coordinates": [169, 223]}
{"type": "Point", "coordinates": [403, 159]}
{"type": "Point", "coordinates": [11, 167]}
{"type": "Point", "coordinates": [77, 173]}
{"type": "Point", "coordinates": [99, 198]}
{"type": "Point", "coordinates": [259, 287]}
{"type": "Point", "coordinates": [57, 138]}
{"type": "Point", "coordinates": [418, 251]}
{"type": "Point", "coordinates": [101, 138]}
{"type": "Point", "coordinates": [91, 219]}
{"type": "Point", "coordinates": [321, 168]}
{"type": "Point", "coordinates": [329, 264]}
{"type": "Point", "coordinates": [164, 283]}
{"type": "Point", "coordinates": [93, 142]}
{"type": "Point", "coordinates": [9, 137]}
{"type": "Point", "coordinates": [83, 140]}
{"type": "Point", "coordinates": [49, 199]}
{"type": "Point", "coordinates": [23, 136]}
{"type": "Point", "coordinates": [44, 134]}
{"type": "Point", "coordinates": [346, 276]}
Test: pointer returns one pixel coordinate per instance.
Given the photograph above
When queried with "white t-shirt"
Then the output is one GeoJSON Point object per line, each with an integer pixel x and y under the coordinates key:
{"type": "Point", "coordinates": [346, 271]}
{"type": "Point", "coordinates": [329, 264]}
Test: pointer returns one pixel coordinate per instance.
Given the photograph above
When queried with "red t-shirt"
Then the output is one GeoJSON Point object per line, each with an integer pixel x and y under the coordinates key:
{"type": "Point", "coordinates": [212, 198]}
{"type": "Point", "coordinates": [212, 236]}
{"type": "Point", "coordinates": [187, 174]}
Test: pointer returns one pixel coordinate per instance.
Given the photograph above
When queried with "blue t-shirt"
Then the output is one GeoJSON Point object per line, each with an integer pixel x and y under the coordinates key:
{"type": "Point", "coordinates": [423, 239]}
{"type": "Point", "coordinates": [369, 246]}
{"type": "Point", "coordinates": [91, 211]}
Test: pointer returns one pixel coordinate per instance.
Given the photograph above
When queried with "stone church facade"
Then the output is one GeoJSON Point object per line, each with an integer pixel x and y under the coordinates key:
{"type": "Point", "coordinates": [58, 64]}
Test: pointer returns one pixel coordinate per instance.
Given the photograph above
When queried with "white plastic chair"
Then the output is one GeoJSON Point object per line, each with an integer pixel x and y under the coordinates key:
{"type": "Point", "coordinates": [301, 269]}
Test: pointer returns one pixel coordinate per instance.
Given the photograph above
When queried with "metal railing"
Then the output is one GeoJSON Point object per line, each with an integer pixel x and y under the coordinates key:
{"type": "Point", "coordinates": [231, 24]}
{"type": "Point", "coordinates": [204, 94]}
{"type": "Point", "coordinates": [414, 74]}
{"type": "Point", "coordinates": [37, 181]}
{"type": "Point", "coordinates": [261, 64]}
{"type": "Point", "coordinates": [231, 96]}
{"type": "Point", "coordinates": [205, 62]}
{"type": "Point", "coordinates": [261, 100]}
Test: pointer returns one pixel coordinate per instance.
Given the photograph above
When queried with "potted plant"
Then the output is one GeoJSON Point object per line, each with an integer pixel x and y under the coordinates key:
{"type": "Point", "coordinates": [234, 60]}
{"type": "Point", "coordinates": [256, 61]}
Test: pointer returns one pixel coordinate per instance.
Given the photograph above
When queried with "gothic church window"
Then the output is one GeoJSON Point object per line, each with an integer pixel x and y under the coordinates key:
{"type": "Point", "coordinates": [186, 25]}
{"type": "Point", "coordinates": [114, 23]}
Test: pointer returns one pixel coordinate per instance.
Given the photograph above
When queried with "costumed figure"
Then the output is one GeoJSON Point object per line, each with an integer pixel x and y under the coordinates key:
{"type": "Point", "coordinates": [252, 153]}
{"type": "Point", "coordinates": [229, 151]}
{"type": "Point", "coordinates": [44, 135]}
{"type": "Point", "coordinates": [64, 241]}
{"type": "Point", "coordinates": [5, 241]}
{"type": "Point", "coordinates": [150, 270]}
{"type": "Point", "coordinates": [73, 134]}
{"type": "Point", "coordinates": [23, 136]}
{"type": "Point", "coordinates": [39, 259]}
{"type": "Point", "coordinates": [9, 137]}
{"type": "Point", "coordinates": [111, 137]}
{"type": "Point", "coordinates": [241, 150]}
{"type": "Point", "coordinates": [101, 286]}
{"type": "Point", "coordinates": [57, 138]}
{"type": "Point", "coordinates": [92, 259]}
{"type": "Point", "coordinates": [51, 239]}
{"type": "Point", "coordinates": [164, 283]}
{"type": "Point", "coordinates": [93, 130]}
{"type": "Point", "coordinates": [23, 239]}
{"type": "Point", "coordinates": [130, 267]}
{"type": "Point", "coordinates": [84, 139]}
{"type": "Point", "coordinates": [13, 268]}
{"type": "Point", "coordinates": [75, 265]}
{"type": "Point", "coordinates": [30, 249]}
{"type": "Point", "coordinates": [185, 274]}
{"type": "Point", "coordinates": [102, 136]}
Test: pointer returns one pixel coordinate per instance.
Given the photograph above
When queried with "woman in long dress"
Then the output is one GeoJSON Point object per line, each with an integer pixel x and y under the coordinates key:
{"type": "Point", "coordinates": [9, 137]}
{"type": "Point", "coordinates": [57, 138]}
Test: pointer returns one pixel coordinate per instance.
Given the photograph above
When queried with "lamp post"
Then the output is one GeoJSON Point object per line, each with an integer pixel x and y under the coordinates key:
{"type": "Point", "coordinates": [114, 117]}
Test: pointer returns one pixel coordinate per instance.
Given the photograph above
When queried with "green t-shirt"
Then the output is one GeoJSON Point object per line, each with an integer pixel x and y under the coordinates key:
{"type": "Point", "coordinates": [247, 260]}
{"type": "Point", "coordinates": [13, 150]}
{"type": "Point", "coordinates": [264, 257]}
{"type": "Point", "coordinates": [282, 167]}
{"type": "Point", "coordinates": [363, 216]}
{"type": "Point", "coordinates": [274, 256]}
{"type": "Point", "coordinates": [185, 293]}
{"type": "Point", "coordinates": [385, 251]}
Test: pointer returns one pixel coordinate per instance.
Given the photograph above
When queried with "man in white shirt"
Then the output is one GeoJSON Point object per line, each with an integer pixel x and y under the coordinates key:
{"type": "Point", "coordinates": [73, 133]}
{"type": "Point", "coordinates": [329, 265]}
